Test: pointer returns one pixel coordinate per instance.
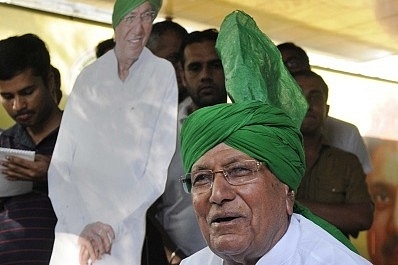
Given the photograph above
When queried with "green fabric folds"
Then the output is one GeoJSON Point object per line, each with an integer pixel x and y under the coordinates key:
{"type": "Point", "coordinates": [254, 68]}
{"type": "Point", "coordinates": [258, 129]}
{"type": "Point", "coordinates": [122, 7]}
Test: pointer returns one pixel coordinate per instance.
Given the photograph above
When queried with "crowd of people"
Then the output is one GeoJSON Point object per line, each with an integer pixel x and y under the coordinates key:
{"type": "Point", "coordinates": [149, 164]}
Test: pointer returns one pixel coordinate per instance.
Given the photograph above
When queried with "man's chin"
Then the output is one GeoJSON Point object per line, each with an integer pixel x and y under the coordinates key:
{"type": "Point", "coordinates": [227, 244]}
{"type": "Point", "coordinates": [307, 128]}
{"type": "Point", "coordinates": [24, 124]}
{"type": "Point", "coordinates": [210, 101]}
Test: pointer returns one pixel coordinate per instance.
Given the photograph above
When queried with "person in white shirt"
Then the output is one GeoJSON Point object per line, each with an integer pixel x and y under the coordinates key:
{"type": "Point", "coordinates": [338, 133]}
{"type": "Point", "coordinates": [165, 41]}
{"type": "Point", "coordinates": [116, 140]}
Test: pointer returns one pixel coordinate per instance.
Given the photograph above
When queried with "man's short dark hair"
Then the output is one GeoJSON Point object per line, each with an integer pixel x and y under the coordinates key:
{"type": "Point", "coordinates": [297, 60]}
{"type": "Point", "coordinates": [159, 28]}
{"type": "Point", "coordinates": [19, 53]}
{"type": "Point", "coordinates": [103, 47]}
{"type": "Point", "coordinates": [298, 50]}
{"type": "Point", "coordinates": [197, 37]}
{"type": "Point", "coordinates": [309, 73]}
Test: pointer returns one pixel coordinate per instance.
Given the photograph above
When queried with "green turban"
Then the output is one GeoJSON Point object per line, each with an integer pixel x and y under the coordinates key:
{"type": "Point", "coordinates": [257, 129]}
{"type": "Point", "coordinates": [123, 7]}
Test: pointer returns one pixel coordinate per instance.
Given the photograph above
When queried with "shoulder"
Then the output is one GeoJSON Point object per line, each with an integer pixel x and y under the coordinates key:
{"type": "Point", "coordinates": [12, 131]}
{"type": "Point", "coordinates": [339, 126]}
{"type": "Point", "coordinates": [331, 121]}
{"type": "Point", "coordinates": [340, 153]}
{"type": "Point", "coordinates": [342, 134]}
{"type": "Point", "coordinates": [320, 247]}
{"type": "Point", "coordinates": [15, 127]}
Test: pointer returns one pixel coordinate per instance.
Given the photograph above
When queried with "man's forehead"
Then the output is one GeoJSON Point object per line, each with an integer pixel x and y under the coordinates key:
{"type": "Point", "coordinates": [221, 153]}
{"type": "Point", "coordinates": [192, 53]}
{"type": "Point", "coordinates": [26, 76]}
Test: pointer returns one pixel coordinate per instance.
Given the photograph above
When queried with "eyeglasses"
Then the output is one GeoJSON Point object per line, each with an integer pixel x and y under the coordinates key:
{"type": "Point", "coordinates": [238, 173]}
{"type": "Point", "coordinates": [146, 18]}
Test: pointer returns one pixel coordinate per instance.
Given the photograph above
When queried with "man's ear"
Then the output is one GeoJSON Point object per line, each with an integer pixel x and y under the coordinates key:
{"type": "Point", "coordinates": [290, 198]}
{"type": "Point", "coordinates": [183, 80]}
{"type": "Point", "coordinates": [50, 84]}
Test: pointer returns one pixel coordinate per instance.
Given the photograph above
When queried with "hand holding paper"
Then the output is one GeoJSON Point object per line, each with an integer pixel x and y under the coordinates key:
{"type": "Point", "coordinates": [18, 168]}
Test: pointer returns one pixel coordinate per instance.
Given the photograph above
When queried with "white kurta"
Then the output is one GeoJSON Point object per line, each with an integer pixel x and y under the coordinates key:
{"type": "Point", "coordinates": [304, 243]}
{"type": "Point", "coordinates": [174, 210]}
{"type": "Point", "coordinates": [110, 161]}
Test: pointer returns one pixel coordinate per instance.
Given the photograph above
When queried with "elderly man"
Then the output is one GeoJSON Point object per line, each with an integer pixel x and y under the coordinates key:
{"type": "Point", "coordinates": [246, 160]}
{"type": "Point", "coordinates": [116, 140]}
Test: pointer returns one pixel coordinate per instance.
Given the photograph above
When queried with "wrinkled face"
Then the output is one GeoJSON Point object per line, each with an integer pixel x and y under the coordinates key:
{"type": "Point", "coordinates": [383, 186]}
{"type": "Point", "coordinates": [203, 74]}
{"type": "Point", "coordinates": [243, 222]}
{"type": "Point", "coordinates": [26, 99]}
{"type": "Point", "coordinates": [133, 32]}
{"type": "Point", "coordinates": [313, 89]}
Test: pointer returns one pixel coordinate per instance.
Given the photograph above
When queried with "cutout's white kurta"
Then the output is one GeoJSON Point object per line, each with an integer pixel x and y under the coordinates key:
{"type": "Point", "coordinates": [110, 161]}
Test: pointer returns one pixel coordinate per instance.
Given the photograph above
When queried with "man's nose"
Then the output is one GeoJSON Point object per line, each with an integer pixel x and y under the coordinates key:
{"type": "Point", "coordinates": [206, 73]}
{"type": "Point", "coordinates": [19, 103]}
{"type": "Point", "coordinates": [221, 190]}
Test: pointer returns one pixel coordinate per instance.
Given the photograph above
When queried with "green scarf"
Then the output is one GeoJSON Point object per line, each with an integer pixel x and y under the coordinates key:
{"type": "Point", "coordinates": [254, 68]}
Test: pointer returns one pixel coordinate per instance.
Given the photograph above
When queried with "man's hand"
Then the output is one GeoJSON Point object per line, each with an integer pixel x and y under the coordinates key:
{"type": "Point", "coordinates": [95, 240]}
{"type": "Point", "coordinates": [16, 168]}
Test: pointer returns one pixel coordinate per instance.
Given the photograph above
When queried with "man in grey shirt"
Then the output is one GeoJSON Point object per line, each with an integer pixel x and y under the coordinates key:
{"type": "Point", "coordinates": [203, 76]}
{"type": "Point", "coordinates": [338, 133]}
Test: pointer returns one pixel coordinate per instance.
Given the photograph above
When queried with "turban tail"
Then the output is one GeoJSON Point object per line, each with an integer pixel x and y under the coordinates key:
{"type": "Point", "coordinates": [123, 7]}
{"type": "Point", "coordinates": [254, 68]}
